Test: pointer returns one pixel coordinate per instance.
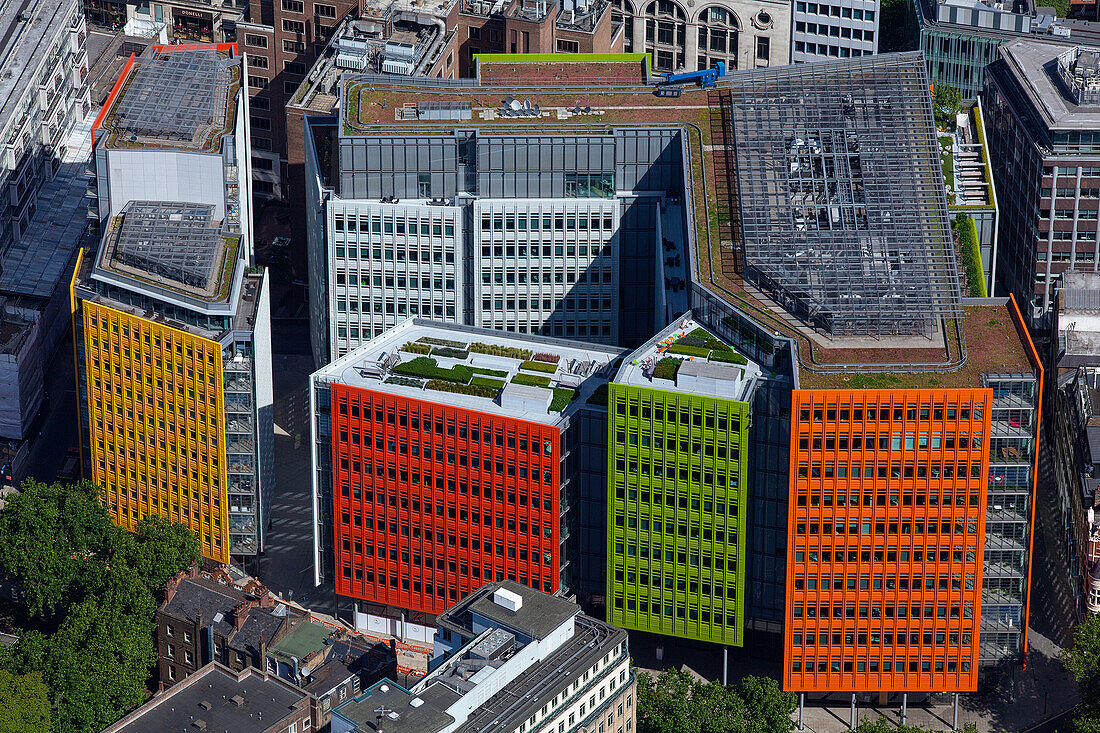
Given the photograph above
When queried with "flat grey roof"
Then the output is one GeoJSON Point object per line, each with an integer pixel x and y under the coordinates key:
{"type": "Point", "coordinates": [429, 716]}
{"type": "Point", "coordinates": [1033, 65]}
{"type": "Point", "coordinates": [263, 703]}
{"type": "Point", "coordinates": [26, 28]}
{"type": "Point", "coordinates": [539, 614]}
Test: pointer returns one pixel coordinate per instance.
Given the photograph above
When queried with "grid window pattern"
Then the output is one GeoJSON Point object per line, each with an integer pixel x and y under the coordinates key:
{"type": "Point", "coordinates": [886, 538]}
{"type": "Point", "coordinates": [548, 266]}
{"type": "Point", "coordinates": [842, 204]}
{"type": "Point", "coordinates": [156, 424]}
{"type": "Point", "coordinates": [390, 262]}
{"type": "Point", "coordinates": [676, 513]}
{"type": "Point", "coordinates": [432, 501]}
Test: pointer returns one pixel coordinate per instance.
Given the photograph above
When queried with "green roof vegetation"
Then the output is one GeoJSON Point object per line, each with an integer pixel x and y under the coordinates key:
{"type": "Point", "coordinates": [562, 398]}
{"type": "Point", "coordinates": [476, 390]}
{"type": "Point", "coordinates": [531, 380]}
{"type": "Point", "coordinates": [666, 368]}
{"type": "Point", "coordinates": [538, 366]}
{"type": "Point", "coordinates": [509, 352]}
{"type": "Point", "coordinates": [427, 367]}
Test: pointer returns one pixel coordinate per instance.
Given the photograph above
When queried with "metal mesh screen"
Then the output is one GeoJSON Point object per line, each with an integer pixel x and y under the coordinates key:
{"type": "Point", "coordinates": [181, 96]}
{"type": "Point", "coordinates": [841, 196]}
{"type": "Point", "coordinates": [171, 240]}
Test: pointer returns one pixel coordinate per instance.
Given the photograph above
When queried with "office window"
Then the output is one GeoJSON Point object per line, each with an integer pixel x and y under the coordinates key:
{"type": "Point", "coordinates": [324, 11]}
{"type": "Point", "coordinates": [250, 39]}
{"type": "Point", "coordinates": [294, 6]}
{"type": "Point", "coordinates": [293, 26]}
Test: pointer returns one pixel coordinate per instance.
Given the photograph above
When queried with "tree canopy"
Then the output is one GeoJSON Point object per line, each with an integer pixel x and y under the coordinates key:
{"type": "Point", "coordinates": [24, 703]}
{"type": "Point", "coordinates": [1082, 661]}
{"type": "Point", "coordinates": [882, 725]}
{"type": "Point", "coordinates": [945, 105]}
{"type": "Point", "coordinates": [91, 589]}
{"type": "Point", "coordinates": [676, 702]}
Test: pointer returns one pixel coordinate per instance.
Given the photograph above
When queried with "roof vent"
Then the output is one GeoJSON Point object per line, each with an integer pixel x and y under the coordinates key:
{"type": "Point", "coordinates": [206, 705]}
{"type": "Point", "coordinates": [415, 702]}
{"type": "Point", "coordinates": [508, 599]}
{"type": "Point", "coordinates": [237, 700]}
{"type": "Point", "coordinates": [200, 724]}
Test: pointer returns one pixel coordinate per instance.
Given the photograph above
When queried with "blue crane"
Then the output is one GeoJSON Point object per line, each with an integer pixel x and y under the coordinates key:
{"type": "Point", "coordinates": [705, 77]}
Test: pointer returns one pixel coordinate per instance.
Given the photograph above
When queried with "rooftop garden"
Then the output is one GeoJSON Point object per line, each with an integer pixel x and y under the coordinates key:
{"type": "Point", "coordinates": [702, 344]}
{"type": "Point", "coordinates": [424, 370]}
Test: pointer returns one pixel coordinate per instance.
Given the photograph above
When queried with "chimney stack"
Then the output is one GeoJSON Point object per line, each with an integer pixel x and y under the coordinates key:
{"type": "Point", "coordinates": [240, 615]}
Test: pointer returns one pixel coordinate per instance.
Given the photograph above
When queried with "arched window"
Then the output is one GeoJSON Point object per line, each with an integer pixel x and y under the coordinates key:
{"type": "Point", "coordinates": [665, 34]}
{"type": "Point", "coordinates": [623, 12]}
{"type": "Point", "coordinates": [718, 29]}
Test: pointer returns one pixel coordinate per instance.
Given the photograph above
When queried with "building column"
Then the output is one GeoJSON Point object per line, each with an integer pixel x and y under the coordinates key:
{"type": "Point", "coordinates": [691, 47]}
{"type": "Point", "coordinates": [904, 706]}
{"type": "Point", "coordinates": [801, 706]}
{"type": "Point", "coordinates": [852, 724]}
{"type": "Point", "coordinates": [955, 713]}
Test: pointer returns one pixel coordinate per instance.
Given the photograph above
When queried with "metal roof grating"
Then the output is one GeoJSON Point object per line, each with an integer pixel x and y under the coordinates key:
{"type": "Point", "coordinates": [177, 241]}
{"type": "Point", "coordinates": [841, 198]}
{"type": "Point", "coordinates": [180, 96]}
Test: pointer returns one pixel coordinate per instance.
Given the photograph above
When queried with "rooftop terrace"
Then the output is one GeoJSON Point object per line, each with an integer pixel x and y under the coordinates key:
{"type": "Point", "coordinates": [525, 377]}
{"type": "Point", "coordinates": [685, 357]}
{"type": "Point", "coordinates": [884, 244]}
{"type": "Point", "coordinates": [182, 97]}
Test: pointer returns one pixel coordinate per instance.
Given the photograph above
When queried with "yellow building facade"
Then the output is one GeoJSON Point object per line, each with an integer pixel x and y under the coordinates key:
{"type": "Point", "coordinates": [156, 423]}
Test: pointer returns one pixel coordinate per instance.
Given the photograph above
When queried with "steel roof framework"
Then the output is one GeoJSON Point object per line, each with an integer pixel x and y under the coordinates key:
{"type": "Point", "coordinates": [180, 95]}
{"type": "Point", "coordinates": [841, 196]}
{"type": "Point", "coordinates": [177, 241]}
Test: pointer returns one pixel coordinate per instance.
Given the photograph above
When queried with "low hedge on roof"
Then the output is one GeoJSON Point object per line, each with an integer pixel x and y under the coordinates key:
{"type": "Point", "coordinates": [488, 372]}
{"type": "Point", "coordinates": [442, 342]}
{"type": "Point", "coordinates": [487, 382]}
{"type": "Point", "coordinates": [728, 357]}
{"type": "Point", "coordinates": [666, 368]}
{"type": "Point", "coordinates": [425, 366]}
{"type": "Point", "coordinates": [449, 353]}
{"type": "Point", "coordinates": [702, 339]}
{"type": "Point", "coordinates": [476, 390]}
{"type": "Point", "coordinates": [678, 348]}
{"type": "Point", "coordinates": [531, 380]}
{"type": "Point", "coordinates": [510, 352]}
{"type": "Point", "coordinates": [539, 366]}
{"type": "Point", "coordinates": [547, 357]}
{"type": "Point", "coordinates": [562, 397]}
{"type": "Point", "coordinates": [416, 348]}
{"type": "Point", "coordinates": [405, 382]}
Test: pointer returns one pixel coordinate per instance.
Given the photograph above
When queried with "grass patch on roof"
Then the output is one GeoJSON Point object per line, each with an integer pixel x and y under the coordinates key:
{"type": "Point", "coordinates": [562, 398]}
{"type": "Point", "coordinates": [531, 380]}
{"type": "Point", "coordinates": [538, 366]}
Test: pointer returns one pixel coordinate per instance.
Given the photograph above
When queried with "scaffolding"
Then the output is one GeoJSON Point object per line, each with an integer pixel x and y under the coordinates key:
{"type": "Point", "coordinates": [842, 206]}
{"type": "Point", "coordinates": [176, 241]}
{"type": "Point", "coordinates": [180, 96]}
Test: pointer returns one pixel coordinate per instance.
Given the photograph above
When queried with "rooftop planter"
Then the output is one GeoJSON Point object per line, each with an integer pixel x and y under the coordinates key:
{"type": "Point", "coordinates": [539, 366]}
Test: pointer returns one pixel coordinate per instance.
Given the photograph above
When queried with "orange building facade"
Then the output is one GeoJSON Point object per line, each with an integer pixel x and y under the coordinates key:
{"type": "Point", "coordinates": [886, 539]}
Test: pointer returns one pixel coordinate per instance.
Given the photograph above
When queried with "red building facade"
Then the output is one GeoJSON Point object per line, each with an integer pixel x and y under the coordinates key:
{"type": "Point", "coordinates": [886, 538]}
{"type": "Point", "coordinates": [430, 501]}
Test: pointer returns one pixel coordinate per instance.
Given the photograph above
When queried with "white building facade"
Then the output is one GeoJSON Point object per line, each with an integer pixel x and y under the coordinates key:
{"type": "Point", "coordinates": [835, 29]}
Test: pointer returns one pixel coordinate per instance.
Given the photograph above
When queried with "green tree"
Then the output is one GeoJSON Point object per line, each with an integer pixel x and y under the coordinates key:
{"type": "Point", "coordinates": [664, 704]}
{"type": "Point", "coordinates": [24, 703]}
{"type": "Point", "coordinates": [945, 104]}
{"type": "Point", "coordinates": [1082, 661]}
{"type": "Point", "coordinates": [48, 533]}
{"type": "Point", "coordinates": [161, 549]}
{"type": "Point", "coordinates": [91, 589]}
{"type": "Point", "coordinates": [676, 702]}
{"type": "Point", "coordinates": [769, 708]}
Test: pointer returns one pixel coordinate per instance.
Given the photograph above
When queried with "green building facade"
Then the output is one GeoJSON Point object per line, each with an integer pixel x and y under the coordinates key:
{"type": "Point", "coordinates": [677, 491]}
